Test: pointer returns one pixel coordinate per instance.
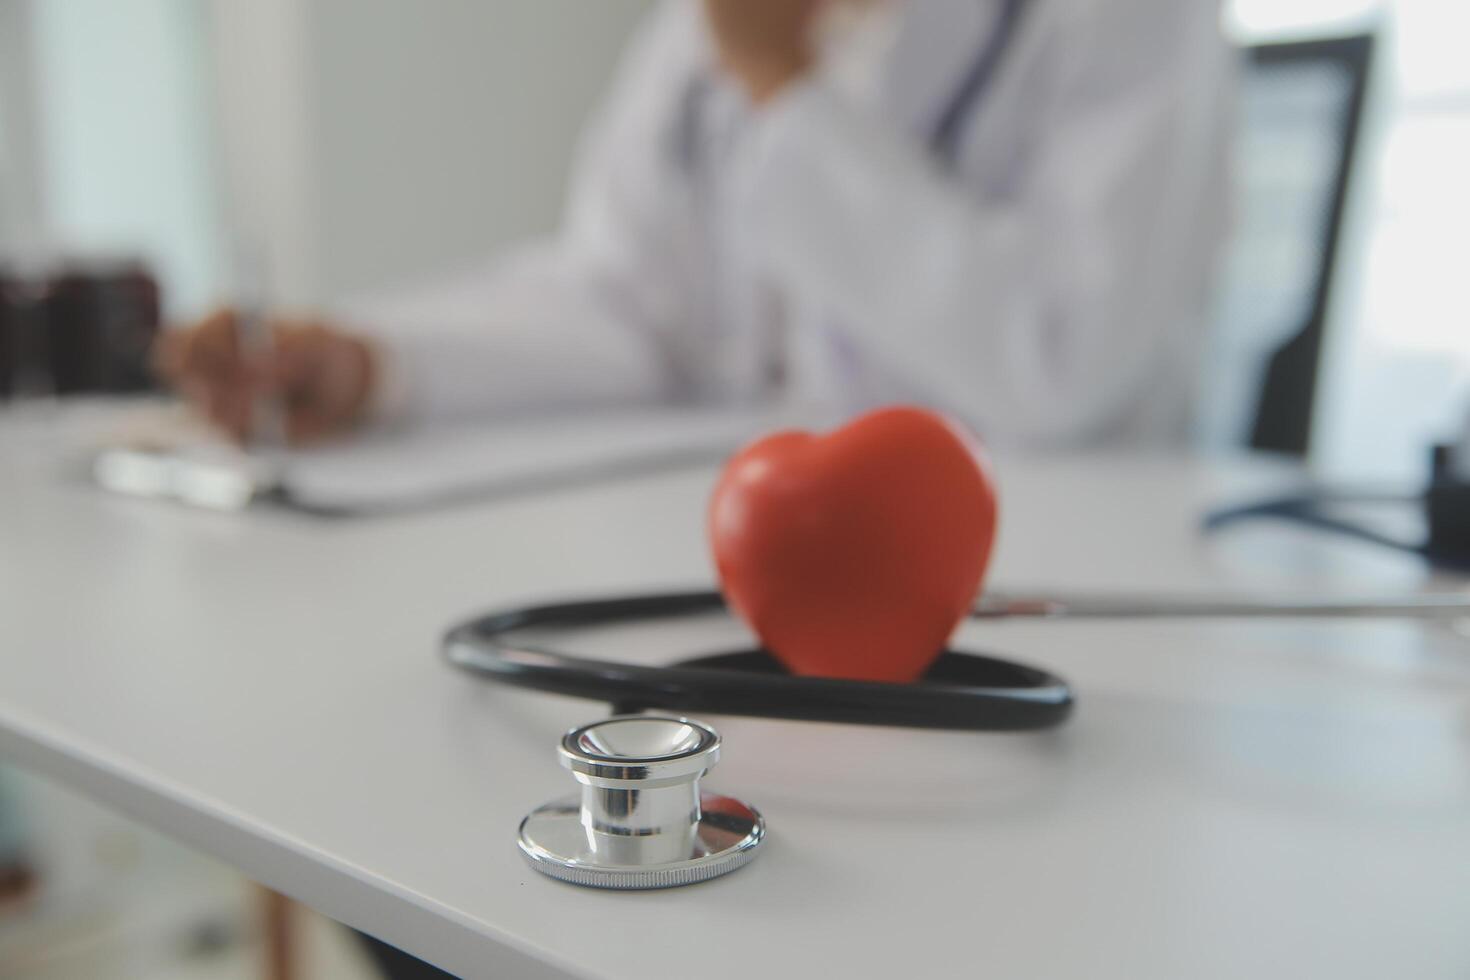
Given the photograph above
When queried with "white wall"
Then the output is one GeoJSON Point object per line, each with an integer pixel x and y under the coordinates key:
{"type": "Point", "coordinates": [20, 218]}
{"type": "Point", "coordinates": [342, 143]}
{"type": "Point", "coordinates": [446, 126]}
{"type": "Point", "coordinates": [378, 141]}
{"type": "Point", "coordinates": [263, 113]}
{"type": "Point", "coordinates": [122, 154]}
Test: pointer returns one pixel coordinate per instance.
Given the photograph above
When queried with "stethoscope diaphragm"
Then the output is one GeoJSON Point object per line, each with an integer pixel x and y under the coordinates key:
{"type": "Point", "coordinates": [641, 819]}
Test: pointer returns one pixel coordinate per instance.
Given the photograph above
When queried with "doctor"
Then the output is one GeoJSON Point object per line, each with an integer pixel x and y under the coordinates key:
{"type": "Point", "coordinates": [1007, 209]}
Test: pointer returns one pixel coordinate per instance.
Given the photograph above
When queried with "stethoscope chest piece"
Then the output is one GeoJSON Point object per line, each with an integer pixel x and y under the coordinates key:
{"type": "Point", "coordinates": [641, 820]}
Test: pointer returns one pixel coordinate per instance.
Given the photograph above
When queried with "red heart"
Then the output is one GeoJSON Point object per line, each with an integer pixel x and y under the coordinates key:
{"type": "Point", "coordinates": [856, 553]}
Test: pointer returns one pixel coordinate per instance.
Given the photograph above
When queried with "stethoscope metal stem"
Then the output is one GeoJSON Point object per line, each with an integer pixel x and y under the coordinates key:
{"type": "Point", "coordinates": [1447, 606]}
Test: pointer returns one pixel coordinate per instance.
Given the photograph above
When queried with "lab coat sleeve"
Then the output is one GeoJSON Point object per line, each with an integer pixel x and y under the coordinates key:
{"type": "Point", "coordinates": [587, 318]}
{"type": "Point", "coordinates": [1039, 312]}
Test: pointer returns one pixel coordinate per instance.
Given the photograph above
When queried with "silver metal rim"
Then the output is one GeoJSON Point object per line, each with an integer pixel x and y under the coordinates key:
{"type": "Point", "coordinates": [581, 868]}
{"type": "Point", "coordinates": [692, 761]}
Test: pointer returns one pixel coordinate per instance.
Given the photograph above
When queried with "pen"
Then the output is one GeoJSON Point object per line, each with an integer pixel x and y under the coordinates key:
{"type": "Point", "coordinates": [267, 427]}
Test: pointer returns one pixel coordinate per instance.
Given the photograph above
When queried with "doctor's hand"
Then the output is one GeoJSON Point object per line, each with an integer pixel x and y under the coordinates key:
{"type": "Point", "coordinates": [765, 44]}
{"type": "Point", "coordinates": [323, 377]}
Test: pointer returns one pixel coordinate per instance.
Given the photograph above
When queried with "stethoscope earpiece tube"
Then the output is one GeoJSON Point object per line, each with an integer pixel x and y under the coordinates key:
{"type": "Point", "coordinates": [960, 691]}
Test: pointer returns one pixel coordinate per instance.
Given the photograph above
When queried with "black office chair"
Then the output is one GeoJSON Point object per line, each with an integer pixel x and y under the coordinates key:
{"type": "Point", "coordinates": [1301, 109]}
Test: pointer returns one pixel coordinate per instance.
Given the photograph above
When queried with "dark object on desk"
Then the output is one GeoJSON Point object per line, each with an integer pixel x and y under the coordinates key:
{"type": "Point", "coordinates": [25, 361]}
{"type": "Point", "coordinates": [100, 324]}
{"type": "Point", "coordinates": [9, 335]}
{"type": "Point", "coordinates": [1303, 102]}
{"type": "Point", "coordinates": [960, 691]}
{"type": "Point", "coordinates": [1444, 503]}
{"type": "Point", "coordinates": [78, 329]}
{"type": "Point", "coordinates": [25, 367]}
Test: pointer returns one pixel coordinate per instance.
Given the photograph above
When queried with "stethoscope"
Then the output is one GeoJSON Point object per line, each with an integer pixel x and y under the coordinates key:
{"type": "Point", "coordinates": [960, 691]}
{"type": "Point", "coordinates": [948, 129]}
{"type": "Point", "coordinates": [641, 819]}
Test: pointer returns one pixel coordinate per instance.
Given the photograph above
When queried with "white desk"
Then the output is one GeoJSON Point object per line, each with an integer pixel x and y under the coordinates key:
{"type": "Point", "coordinates": [1264, 799]}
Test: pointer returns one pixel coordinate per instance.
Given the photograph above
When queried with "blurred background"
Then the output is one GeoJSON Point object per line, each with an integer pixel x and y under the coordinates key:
{"type": "Point", "coordinates": [375, 141]}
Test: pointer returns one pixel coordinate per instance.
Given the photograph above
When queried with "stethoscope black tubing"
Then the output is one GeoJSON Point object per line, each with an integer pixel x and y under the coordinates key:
{"type": "Point", "coordinates": [960, 691]}
{"type": "Point", "coordinates": [949, 126]}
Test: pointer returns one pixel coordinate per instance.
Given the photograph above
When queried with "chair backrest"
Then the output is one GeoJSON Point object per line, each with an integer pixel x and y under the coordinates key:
{"type": "Point", "coordinates": [1301, 107]}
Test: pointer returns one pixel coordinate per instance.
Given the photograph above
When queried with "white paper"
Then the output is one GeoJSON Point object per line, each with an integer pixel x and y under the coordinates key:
{"type": "Point", "coordinates": [390, 471]}
{"type": "Point", "coordinates": [431, 466]}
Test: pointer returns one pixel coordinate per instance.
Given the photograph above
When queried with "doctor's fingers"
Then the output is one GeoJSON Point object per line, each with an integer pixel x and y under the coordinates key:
{"type": "Point", "coordinates": [203, 363]}
{"type": "Point", "coordinates": [209, 348]}
{"type": "Point", "coordinates": [324, 377]}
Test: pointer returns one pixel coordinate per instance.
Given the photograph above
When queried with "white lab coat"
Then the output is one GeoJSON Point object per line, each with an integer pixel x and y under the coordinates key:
{"type": "Point", "coordinates": [1046, 286]}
